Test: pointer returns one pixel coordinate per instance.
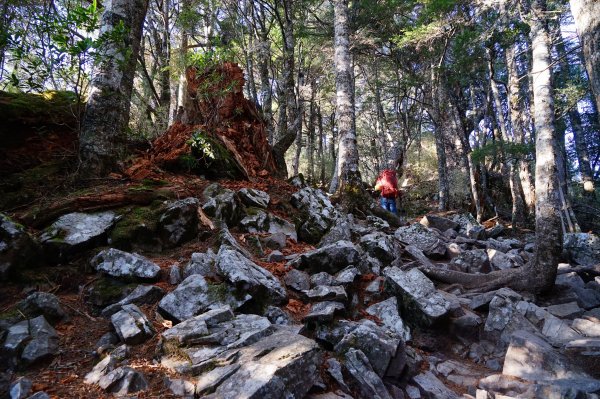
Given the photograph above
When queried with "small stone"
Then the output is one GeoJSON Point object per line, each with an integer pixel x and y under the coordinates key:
{"type": "Point", "coordinates": [175, 274]}
{"type": "Point", "coordinates": [276, 256]}
{"type": "Point", "coordinates": [275, 241]}
{"type": "Point", "coordinates": [36, 337]}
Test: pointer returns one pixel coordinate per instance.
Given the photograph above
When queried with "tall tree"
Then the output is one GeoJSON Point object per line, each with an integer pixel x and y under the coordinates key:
{"type": "Point", "coordinates": [548, 233]}
{"type": "Point", "coordinates": [103, 133]}
{"type": "Point", "coordinates": [587, 20]}
{"type": "Point", "coordinates": [347, 160]}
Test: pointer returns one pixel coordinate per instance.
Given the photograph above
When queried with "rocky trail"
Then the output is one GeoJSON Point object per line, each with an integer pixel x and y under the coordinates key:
{"type": "Point", "coordinates": [264, 289]}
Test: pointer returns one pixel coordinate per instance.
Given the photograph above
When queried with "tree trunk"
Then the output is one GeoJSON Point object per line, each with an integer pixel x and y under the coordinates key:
{"type": "Point", "coordinates": [548, 237]}
{"type": "Point", "coordinates": [288, 129]}
{"type": "Point", "coordinates": [438, 94]}
{"type": "Point", "coordinates": [321, 152]}
{"type": "Point", "coordinates": [310, 148]}
{"type": "Point", "coordinates": [103, 132]}
{"type": "Point", "coordinates": [347, 160]}
{"type": "Point", "coordinates": [518, 130]}
{"type": "Point", "coordinates": [587, 20]}
{"type": "Point", "coordinates": [581, 150]}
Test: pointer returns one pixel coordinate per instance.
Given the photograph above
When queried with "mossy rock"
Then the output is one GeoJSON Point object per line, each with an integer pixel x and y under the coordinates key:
{"type": "Point", "coordinates": [106, 291]}
{"type": "Point", "coordinates": [50, 107]}
{"type": "Point", "coordinates": [137, 228]}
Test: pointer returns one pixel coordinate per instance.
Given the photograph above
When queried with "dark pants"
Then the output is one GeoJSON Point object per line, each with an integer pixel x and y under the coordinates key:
{"type": "Point", "coordinates": [389, 204]}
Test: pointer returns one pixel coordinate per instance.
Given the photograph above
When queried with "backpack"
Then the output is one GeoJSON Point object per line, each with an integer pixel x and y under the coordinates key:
{"type": "Point", "coordinates": [389, 183]}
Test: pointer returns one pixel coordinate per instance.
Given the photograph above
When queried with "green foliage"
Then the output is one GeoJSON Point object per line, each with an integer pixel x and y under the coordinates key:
{"type": "Point", "coordinates": [493, 149]}
{"type": "Point", "coordinates": [51, 45]}
{"type": "Point", "coordinates": [207, 148]}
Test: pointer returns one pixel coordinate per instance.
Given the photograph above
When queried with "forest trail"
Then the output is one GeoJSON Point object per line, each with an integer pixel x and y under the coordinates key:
{"type": "Point", "coordinates": [279, 268]}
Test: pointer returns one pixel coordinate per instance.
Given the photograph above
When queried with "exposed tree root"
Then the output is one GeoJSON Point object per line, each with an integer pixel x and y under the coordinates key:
{"type": "Point", "coordinates": [41, 217]}
{"type": "Point", "coordinates": [517, 278]}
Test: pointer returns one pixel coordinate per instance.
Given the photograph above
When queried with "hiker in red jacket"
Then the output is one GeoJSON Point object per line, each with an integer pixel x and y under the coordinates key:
{"type": "Point", "coordinates": [387, 183]}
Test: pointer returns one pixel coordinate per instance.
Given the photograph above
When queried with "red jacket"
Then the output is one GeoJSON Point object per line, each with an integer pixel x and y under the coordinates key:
{"type": "Point", "coordinates": [387, 182]}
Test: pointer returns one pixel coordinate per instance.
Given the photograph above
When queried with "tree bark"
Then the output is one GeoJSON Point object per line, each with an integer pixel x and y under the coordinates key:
{"type": "Point", "coordinates": [103, 132]}
{"type": "Point", "coordinates": [347, 160]}
{"type": "Point", "coordinates": [548, 237]}
{"type": "Point", "coordinates": [581, 150]}
{"type": "Point", "coordinates": [288, 127]}
{"type": "Point", "coordinates": [587, 20]}
{"type": "Point", "coordinates": [516, 120]}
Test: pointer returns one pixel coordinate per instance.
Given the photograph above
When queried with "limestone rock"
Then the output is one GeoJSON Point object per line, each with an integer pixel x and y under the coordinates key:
{"type": "Point", "coordinates": [387, 312]}
{"type": "Point", "coordinates": [473, 261]}
{"type": "Point", "coordinates": [281, 365]}
{"type": "Point", "coordinates": [469, 226]}
{"type": "Point", "coordinates": [368, 382]}
{"type": "Point", "coordinates": [324, 311]}
{"type": "Point", "coordinates": [222, 204]}
{"type": "Point", "coordinates": [21, 388]}
{"type": "Point", "coordinates": [77, 231]}
{"type": "Point", "coordinates": [121, 264]}
{"type": "Point", "coordinates": [297, 280]}
{"type": "Point", "coordinates": [194, 296]}
{"type": "Point", "coordinates": [254, 198]}
{"type": "Point", "coordinates": [194, 328]}
{"type": "Point", "coordinates": [324, 292]}
{"type": "Point", "coordinates": [419, 298]}
{"type": "Point", "coordinates": [141, 295]}
{"type": "Point", "coordinates": [179, 222]}
{"type": "Point", "coordinates": [122, 381]}
{"type": "Point", "coordinates": [42, 303]}
{"type": "Point", "coordinates": [531, 358]}
{"type": "Point", "coordinates": [380, 246]}
{"type": "Point", "coordinates": [431, 386]}
{"type": "Point", "coordinates": [331, 258]}
{"type": "Point", "coordinates": [132, 325]}
{"type": "Point", "coordinates": [320, 213]}
{"type": "Point", "coordinates": [250, 277]}
{"type": "Point", "coordinates": [439, 222]}
{"type": "Point", "coordinates": [201, 263]}
{"type": "Point", "coordinates": [32, 340]}
{"type": "Point", "coordinates": [422, 238]}
{"type": "Point", "coordinates": [378, 344]}
{"type": "Point", "coordinates": [583, 248]}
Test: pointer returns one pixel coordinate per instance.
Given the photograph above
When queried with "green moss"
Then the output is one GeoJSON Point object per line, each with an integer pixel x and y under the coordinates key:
{"type": "Point", "coordinates": [18, 106]}
{"type": "Point", "coordinates": [136, 224]}
{"type": "Point", "coordinates": [171, 347]}
{"type": "Point", "coordinates": [219, 292]}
